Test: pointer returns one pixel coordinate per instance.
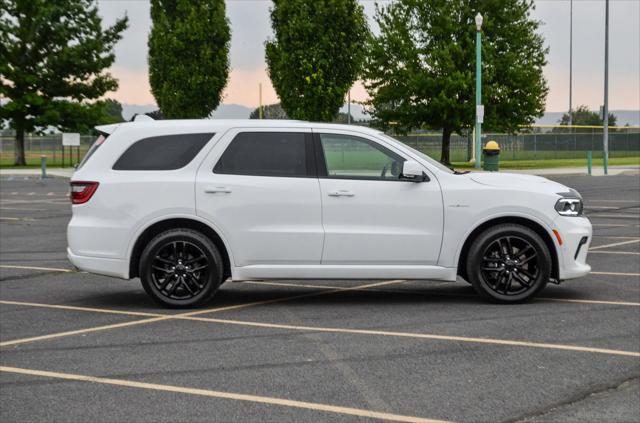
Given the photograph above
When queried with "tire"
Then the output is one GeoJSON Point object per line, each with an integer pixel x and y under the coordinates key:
{"type": "Point", "coordinates": [181, 268]}
{"type": "Point", "coordinates": [508, 263]}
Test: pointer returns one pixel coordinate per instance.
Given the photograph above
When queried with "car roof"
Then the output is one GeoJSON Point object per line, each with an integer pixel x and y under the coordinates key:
{"type": "Point", "coordinates": [218, 124]}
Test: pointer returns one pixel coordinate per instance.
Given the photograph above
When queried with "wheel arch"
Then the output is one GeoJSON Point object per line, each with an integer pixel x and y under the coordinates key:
{"type": "Point", "coordinates": [174, 223]}
{"type": "Point", "coordinates": [529, 223]}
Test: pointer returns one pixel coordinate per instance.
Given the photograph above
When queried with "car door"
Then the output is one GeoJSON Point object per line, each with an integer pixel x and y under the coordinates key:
{"type": "Point", "coordinates": [260, 189]}
{"type": "Point", "coordinates": [370, 216]}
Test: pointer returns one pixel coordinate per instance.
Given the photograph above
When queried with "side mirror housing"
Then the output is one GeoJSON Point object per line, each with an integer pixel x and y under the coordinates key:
{"type": "Point", "coordinates": [412, 171]}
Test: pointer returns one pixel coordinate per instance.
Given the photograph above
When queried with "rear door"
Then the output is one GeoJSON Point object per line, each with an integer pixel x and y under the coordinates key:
{"type": "Point", "coordinates": [371, 216]}
{"type": "Point", "coordinates": [259, 188]}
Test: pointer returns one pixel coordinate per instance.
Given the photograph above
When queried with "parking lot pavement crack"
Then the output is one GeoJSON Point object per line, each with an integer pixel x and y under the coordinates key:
{"type": "Point", "coordinates": [574, 400]}
{"type": "Point", "coordinates": [350, 375]}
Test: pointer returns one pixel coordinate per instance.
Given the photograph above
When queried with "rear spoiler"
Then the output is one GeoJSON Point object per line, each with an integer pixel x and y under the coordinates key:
{"type": "Point", "coordinates": [107, 130]}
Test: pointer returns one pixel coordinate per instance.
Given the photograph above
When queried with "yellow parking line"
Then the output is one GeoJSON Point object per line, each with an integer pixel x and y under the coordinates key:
{"type": "Point", "coordinates": [615, 244]}
{"type": "Point", "coordinates": [443, 294]}
{"type": "Point", "coordinates": [78, 308]}
{"type": "Point", "coordinates": [631, 253]}
{"type": "Point", "coordinates": [81, 331]}
{"type": "Point", "coordinates": [224, 395]}
{"type": "Point", "coordinates": [492, 341]}
{"type": "Point", "coordinates": [568, 300]}
{"type": "Point", "coordinates": [51, 269]}
{"type": "Point", "coordinates": [182, 315]}
{"type": "Point", "coordinates": [189, 316]}
{"type": "Point", "coordinates": [615, 273]}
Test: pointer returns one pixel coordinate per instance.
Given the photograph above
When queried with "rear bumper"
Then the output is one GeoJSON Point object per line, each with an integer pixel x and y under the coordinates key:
{"type": "Point", "coordinates": [572, 254]}
{"type": "Point", "coordinates": [103, 266]}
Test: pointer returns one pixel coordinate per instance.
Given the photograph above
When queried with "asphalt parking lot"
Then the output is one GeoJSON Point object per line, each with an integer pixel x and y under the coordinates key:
{"type": "Point", "coordinates": [80, 347]}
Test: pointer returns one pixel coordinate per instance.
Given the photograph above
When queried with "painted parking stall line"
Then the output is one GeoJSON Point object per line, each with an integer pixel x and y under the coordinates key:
{"type": "Point", "coordinates": [192, 317]}
{"type": "Point", "coordinates": [161, 317]}
{"type": "Point", "coordinates": [223, 395]}
{"type": "Point", "coordinates": [615, 244]}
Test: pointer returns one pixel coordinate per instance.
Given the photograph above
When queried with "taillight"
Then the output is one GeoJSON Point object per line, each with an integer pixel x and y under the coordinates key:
{"type": "Point", "coordinates": [82, 191]}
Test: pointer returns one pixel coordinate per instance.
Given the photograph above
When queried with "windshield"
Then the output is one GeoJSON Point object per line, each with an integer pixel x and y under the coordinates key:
{"type": "Point", "coordinates": [435, 163]}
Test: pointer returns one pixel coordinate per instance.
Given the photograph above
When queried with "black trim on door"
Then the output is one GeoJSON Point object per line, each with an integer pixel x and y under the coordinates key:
{"type": "Point", "coordinates": [321, 164]}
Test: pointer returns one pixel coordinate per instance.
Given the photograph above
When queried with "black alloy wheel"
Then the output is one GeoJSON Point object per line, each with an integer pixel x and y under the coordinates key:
{"type": "Point", "coordinates": [181, 268]}
{"type": "Point", "coordinates": [508, 263]}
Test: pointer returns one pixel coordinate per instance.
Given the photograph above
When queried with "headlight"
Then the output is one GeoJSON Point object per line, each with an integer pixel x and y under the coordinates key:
{"type": "Point", "coordinates": [569, 206]}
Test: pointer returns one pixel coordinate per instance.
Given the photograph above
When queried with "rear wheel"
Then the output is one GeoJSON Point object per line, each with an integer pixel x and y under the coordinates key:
{"type": "Point", "coordinates": [508, 263]}
{"type": "Point", "coordinates": [181, 268]}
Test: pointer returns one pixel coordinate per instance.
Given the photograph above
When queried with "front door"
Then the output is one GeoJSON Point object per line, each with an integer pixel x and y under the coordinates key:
{"type": "Point", "coordinates": [259, 188]}
{"type": "Point", "coordinates": [371, 216]}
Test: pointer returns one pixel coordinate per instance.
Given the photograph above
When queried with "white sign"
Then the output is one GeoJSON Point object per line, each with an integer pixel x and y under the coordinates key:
{"type": "Point", "coordinates": [71, 139]}
{"type": "Point", "coordinates": [480, 113]}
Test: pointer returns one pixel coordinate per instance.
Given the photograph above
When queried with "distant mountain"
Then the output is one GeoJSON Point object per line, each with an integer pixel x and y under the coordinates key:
{"type": "Point", "coordinates": [632, 117]}
{"type": "Point", "coordinates": [237, 111]}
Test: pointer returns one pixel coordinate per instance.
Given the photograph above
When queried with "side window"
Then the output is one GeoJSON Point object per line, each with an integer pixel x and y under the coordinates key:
{"type": "Point", "coordinates": [348, 157]}
{"type": "Point", "coordinates": [283, 154]}
{"type": "Point", "coordinates": [166, 152]}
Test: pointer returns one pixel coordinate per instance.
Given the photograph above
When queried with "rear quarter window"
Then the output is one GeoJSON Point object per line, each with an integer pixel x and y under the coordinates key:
{"type": "Point", "coordinates": [165, 152]}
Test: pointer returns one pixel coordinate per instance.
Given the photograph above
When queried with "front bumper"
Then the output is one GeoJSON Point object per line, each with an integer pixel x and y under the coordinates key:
{"type": "Point", "coordinates": [572, 254]}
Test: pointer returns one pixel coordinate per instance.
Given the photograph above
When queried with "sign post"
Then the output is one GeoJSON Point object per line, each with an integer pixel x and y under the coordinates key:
{"type": "Point", "coordinates": [70, 139]}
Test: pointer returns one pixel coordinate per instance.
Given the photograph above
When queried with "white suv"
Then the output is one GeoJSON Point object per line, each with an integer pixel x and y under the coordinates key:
{"type": "Point", "coordinates": [186, 204]}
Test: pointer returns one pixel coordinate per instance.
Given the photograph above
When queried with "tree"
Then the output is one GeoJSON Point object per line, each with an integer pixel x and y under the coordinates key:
{"type": "Point", "coordinates": [188, 56]}
{"type": "Point", "coordinates": [270, 111]}
{"type": "Point", "coordinates": [112, 111]}
{"type": "Point", "coordinates": [316, 54]}
{"type": "Point", "coordinates": [583, 116]}
{"type": "Point", "coordinates": [420, 70]}
{"type": "Point", "coordinates": [53, 56]}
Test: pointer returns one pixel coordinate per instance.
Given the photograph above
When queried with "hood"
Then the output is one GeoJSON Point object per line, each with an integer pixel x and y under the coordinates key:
{"type": "Point", "coordinates": [517, 180]}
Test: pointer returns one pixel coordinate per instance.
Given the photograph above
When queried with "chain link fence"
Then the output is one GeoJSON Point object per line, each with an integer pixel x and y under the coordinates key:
{"type": "Point", "coordinates": [49, 146]}
{"type": "Point", "coordinates": [537, 143]}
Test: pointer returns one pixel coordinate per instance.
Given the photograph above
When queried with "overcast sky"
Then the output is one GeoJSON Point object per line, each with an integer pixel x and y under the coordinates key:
{"type": "Point", "coordinates": [250, 27]}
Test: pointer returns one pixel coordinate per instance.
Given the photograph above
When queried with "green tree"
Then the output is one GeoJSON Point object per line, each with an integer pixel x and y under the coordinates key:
{"type": "Point", "coordinates": [270, 111]}
{"type": "Point", "coordinates": [583, 116]}
{"type": "Point", "coordinates": [421, 67]}
{"type": "Point", "coordinates": [188, 56]}
{"type": "Point", "coordinates": [53, 56]}
{"type": "Point", "coordinates": [112, 111]}
{"type": "Point", "coordinates": [316, 54]}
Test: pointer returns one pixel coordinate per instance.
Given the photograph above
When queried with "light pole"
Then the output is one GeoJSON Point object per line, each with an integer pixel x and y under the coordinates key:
{"type": "Point", "coordinates": [570, 62]}
{"type": "Point", "coordinates": [479, 107]}
{"type": "Point", "coordinates": [605, 117]}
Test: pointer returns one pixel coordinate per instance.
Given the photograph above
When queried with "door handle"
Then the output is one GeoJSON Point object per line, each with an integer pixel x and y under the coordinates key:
{"type": "Point", "coordinates": [341, 193]}
{"type": "Point", "coordinates": [217, 190]}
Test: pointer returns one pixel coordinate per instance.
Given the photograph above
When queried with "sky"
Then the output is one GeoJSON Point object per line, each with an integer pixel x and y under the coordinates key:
{"type": "Point", "coordinates": [250, 27]}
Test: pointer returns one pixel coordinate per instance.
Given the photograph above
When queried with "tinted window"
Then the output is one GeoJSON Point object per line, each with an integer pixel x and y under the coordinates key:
{"type": "Point", "coordinates": [267, 154]}
{"type": "Point", "coordinates": [97, 143]}
{"type": "Point", "coordinates": [350, 157]}
{"type": "Point", "coordinates": [166, 152]}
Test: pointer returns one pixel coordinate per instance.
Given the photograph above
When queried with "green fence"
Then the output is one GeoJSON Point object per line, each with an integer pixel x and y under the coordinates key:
{"type": "Point", "coordinates": [537, 143]}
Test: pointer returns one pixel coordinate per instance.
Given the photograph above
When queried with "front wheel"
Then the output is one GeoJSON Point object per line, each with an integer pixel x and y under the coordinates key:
{"type": "Point", "coordinates": [181, 268]}
{"type": "Point", "coordinates": [508, 263]}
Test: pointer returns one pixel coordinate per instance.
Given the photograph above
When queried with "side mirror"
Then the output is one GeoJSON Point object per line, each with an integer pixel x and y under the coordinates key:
{"type": "Point", "coordinates": [412, 171]}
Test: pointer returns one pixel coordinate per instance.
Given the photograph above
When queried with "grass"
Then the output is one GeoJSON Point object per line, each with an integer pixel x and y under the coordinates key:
{"type": "Point", "coordinates": [555, 163]}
